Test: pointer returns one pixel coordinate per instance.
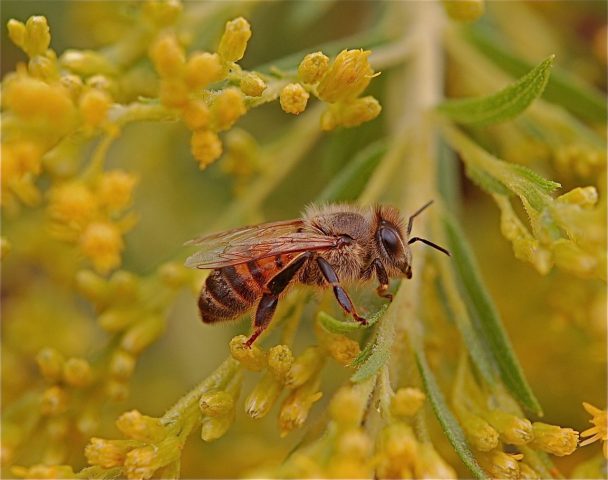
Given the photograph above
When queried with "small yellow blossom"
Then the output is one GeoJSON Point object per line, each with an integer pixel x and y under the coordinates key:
{"type": "Point", "coordinates": [54, 401]}
{"type": "Point", "coordinates": [464, 10]}
{"type": "Point", "coordinates": [107, 453]}
{"type": "Point", "coordinates": [347, 77]}
{"type": "Point", "coordinates": [407, 401]}
{"type": "Point", "coordinates": [77, 372]}
{"type": "Point", "coordinates": [215, 427]}
{"type": "Point", "coordinates": [216, 403]}
{"type": "Point", "coordinates": [17, 32]}
{"type": "Point", "coordinates": [304, 367]}
{"type": "Point", "coordinates": [122, 365]}
{"type": "Point", "coordinates": [346, 406]}
{"type": "Point", "coordinates": [583, 196]}
{"type": "Point", "coordinates": [86, 63]}
{"type": "Point", "coordinates": [18, 159]}
{"type": "Point", "coordinates": [102, 243]}
{"type": "Point", "coordinates": [173, 93]}
{"type": "Point", "coordinates": [351, 113]}
{"type": "Point", "coordinates": [92, 286]}
{"type": "Point", "coordinates": [50, 362]}
{"type": "Point", "coordinates": [342, 349]}
{"type": "Point", "coordinates": [203, 69]}
{"type": "Point", "coordinates": [196, 115]}
{"type": "Point", "coordinates": [526, 472]}
{"type": "Point", "coordinates": [397, 450]}
{"type": "Point", "coordinates": [162, 12]}
{"type": "Point", "coordinates": [252, 358]}
{"type": "Point", "coordinates": [117, 390]}
{"type": "Point", "coordinates": [94, 105]}
{"type": "Point", "coordinates": [280, 360]}
{"type": "Point", "coordinates": [512, 429]}
{"type": "Point", "coordinates": [72, 204]}
{"type": "Point", "coordinates": [500, 464]}
{"type": "Point", "coordinates": [33, 38]}
{"type": "Point", "coordinates": [553, 439]}
{"type": "Point", "coordinates": [115, 189]}
{"type": "Point", "coordinates": [227, 108]}
{"type": "Point", "coordinates": [143, 333]}
{"type": "Point", "coordinates": [234, 40]}
{"type": "Point", "coordinates": [117, 319]}
{"type": "Point", "coordinates": [313, 67]}
{"type": "Point", "coordinates": [479, 433]}
{"type": "Point", "coordinates": [263, 396]}
{"type": "Point", "coordinates": [136, 426]}
{"type": "Point", "coordinates": [206, 147]}
{"type": "Point", "coordinates": [293, 98]}
{"type": "Point", "coordinates": [600, 429]}
{"type": "Point", "coordinates": [43, 67]}
{"type": "Point", "coordinates": [429, 464]}
{"type": "Point", "coordinates": [252, 85]}
{"type": "Point", "coordinates": [168, 56]}
{"type": "Point", "coordinates": [297, 405]}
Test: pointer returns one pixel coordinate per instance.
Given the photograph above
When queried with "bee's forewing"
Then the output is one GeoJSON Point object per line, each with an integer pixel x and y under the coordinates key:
{"type": "Point", "coordinates": [254, 242]}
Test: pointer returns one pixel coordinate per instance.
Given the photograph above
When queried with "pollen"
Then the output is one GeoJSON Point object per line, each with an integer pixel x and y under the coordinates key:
{"type": "Point", "coordinates": [293, 98]}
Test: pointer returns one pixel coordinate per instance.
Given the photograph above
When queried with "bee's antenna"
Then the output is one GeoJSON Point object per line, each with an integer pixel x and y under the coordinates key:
{"type": "Point", "coordinates": [410, 222]}
{"type": "Point", "coordinates": [428, 242]}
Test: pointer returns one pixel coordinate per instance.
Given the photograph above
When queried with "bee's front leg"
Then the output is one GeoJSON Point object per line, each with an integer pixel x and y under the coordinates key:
{"type": "Point", "coordinates": [382, 279]}
{"type": "Point", "coordinates": [343, 299]}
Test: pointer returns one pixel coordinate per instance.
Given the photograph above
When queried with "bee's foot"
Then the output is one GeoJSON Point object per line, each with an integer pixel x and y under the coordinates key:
{"type": "Point", "coordinates": [360, 319]}
{"type": "Point", "coordinates": [252, 338]}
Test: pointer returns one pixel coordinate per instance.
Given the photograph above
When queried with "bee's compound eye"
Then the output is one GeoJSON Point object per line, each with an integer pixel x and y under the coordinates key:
{"type": "Point", "coordinates": [390, 241]}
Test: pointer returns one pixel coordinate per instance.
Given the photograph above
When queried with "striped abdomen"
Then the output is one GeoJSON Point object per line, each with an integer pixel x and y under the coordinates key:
{"type": "Point", "coordinates": [231, 291]}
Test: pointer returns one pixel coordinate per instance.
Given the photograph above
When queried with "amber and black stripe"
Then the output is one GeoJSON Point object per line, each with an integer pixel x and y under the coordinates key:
{"type": "Point", "coordinates": [231, 291]}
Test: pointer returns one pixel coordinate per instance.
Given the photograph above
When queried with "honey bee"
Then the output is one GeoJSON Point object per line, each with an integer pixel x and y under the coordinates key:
{"type": "Point", "coordinates": [329, 246]}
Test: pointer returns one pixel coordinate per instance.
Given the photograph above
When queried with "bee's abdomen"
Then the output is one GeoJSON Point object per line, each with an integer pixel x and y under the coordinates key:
{"type": "Point", "coordinates": [227, 294]}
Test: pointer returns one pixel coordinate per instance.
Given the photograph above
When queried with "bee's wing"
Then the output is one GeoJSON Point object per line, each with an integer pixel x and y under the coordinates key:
{"type": "Point", "coordinates": [254, 242]}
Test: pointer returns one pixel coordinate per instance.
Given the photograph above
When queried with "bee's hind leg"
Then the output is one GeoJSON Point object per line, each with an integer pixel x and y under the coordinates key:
{"type": "Point", "coordinates": [270, 299]}
{"type": "Point", "coordinates": [343, 299]}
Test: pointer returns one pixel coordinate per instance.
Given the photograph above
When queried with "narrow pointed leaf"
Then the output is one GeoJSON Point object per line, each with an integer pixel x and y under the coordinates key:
{"type": "Point", "coordinates": [503, 105]}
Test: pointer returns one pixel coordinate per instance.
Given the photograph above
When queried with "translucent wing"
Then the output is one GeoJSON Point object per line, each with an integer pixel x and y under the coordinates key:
{"type": "Point", "coordinates": [241, 245]}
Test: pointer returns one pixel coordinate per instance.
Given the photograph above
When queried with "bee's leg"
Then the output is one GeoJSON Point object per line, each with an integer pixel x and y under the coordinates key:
{"type": "Point", "coordinates": [382, 279]}
{"type": "Point", "coordinates": [339, 292]}
{"type": "Point", "coordinates": [270, 298]}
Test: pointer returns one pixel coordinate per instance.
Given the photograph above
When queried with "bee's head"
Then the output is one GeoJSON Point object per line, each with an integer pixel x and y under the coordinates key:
{"type": "Point", "coordinates": [394, 246]}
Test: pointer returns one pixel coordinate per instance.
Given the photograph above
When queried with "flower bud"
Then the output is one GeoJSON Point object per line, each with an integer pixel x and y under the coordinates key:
{"type": "Point", "coordinates": [117, 319]}
{"type": "Point", "coordinates": [86, 63]}
{"type": "Point", "coordinates": [351, 113]}
{"type": "Point", "coordinates": [162, 13]}
{"type": "Point", "coordinates": [94, 105]}
{"type": "Point", "coordinates": [346, 406]}
{"type": "Point", "coordinates": [464, 10]}
{"type": "Point", "coordinates": [512, 429]}
{"type": "Point", "coordinates": [398, 447]}
{"type": "Point", "coordinates": [313, 67]}
{"type": "Point", "coordinates": [17, 32]}
{"type": "Point", "coordinates": [215, 427]}
{"type": "Point", "coordinates": [173, 93]}
{"type": "Point", "coordinates": [88, 423]}
{"type": "Point", "coordinates": [107, 453]}
{"type": "Point", "coordinates": [173, 274]}
{"type": "Point", "coordinates": [216, 403]}
{"type": "Point", "coordinates": [91, 285]}
{"type": "Point", "coordinates": [102, 243]}
{"type": "Point", "coordinates": [296, 406]}
{"type": "Point", "coordinates": [342, 349]}
{"type": "Point", "coordinates": [72, 203]}
{"type": "Point", "coordinates": [38, 36]}
{"type": "Point", "coordinates": [252, 84]}
{"type": "Point", "coordinates": [50, 362]}
{"type": "Point", "coordinates": [168, 56]}
{"type": "Point", "coordinates": [252, 358]}
{"type": "Point", "coordinates": [54, 401]}
{"type": "Point", "coordinates": [143, 333]}
{"type": "Point", "coordinates": [304, 367]}
{"type": "Point", "coordinates": [77, 372]}
{"type": "Point", "coordinates": [263, 396]}
{"type": "Point", "coordinates": [499, 464]}
{"type": "Point", "coordinates": [478, 432]}
{"type": "Point", "coordinates": [136, 426]}
{"type": "Point", "coordinates": [569, 256]}
{"type": "Point", "coordinates": [123, 285]}
{"type": "Point", "coordinates": [234, 40]}
{"type": "Point", "coordinates": [583, 196]}
{"type": "Point", "coordinates": [348, 76]}
{"type": "Point", "coordinates": [227, 108]}
{"type": "Point", "coordinates": [196, 115]}
{"type": "Point", "coordinates": [553, 439]}
{"type": "Point", "coordinates": [407, 401]}
{"type": "Point", "coordinates": [202, 69]}
{"type": "Point", "coordinates": [122, 365]}
{"type": "Point", "coordinates": [526, 472]}
{"type": "Point", "coordinates": [115, 189]}
{"type": "Point", "coordinates": [117, 390]}
{"type": "Point", "coordinates": [354, 443]}
{"type": "Point", "coordinates": [206, 147]}
{"type": "Point", "coordinates": [280, 360]}
{"type": "Point", "coordinates": [429, 464]}
{"type": "Point", "coordinates": [293, 98]}
{"type": "Point", "coordinates": [43, 68]}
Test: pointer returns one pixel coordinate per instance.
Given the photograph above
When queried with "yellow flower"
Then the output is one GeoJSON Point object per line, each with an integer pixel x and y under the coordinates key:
{"type": "Point", "coordinates": [102, 243]}
{"type": "Point", "coordinates": [553, 439]}
{"type": "Point", "coordinates": [429, 464]}
{"type": "Point", "coordinates": [122, 365]}
{"type": "Point", "coordinates": [202, 69]}
{"type": "Point", "coordinates": [294, 98]}
{"type": "Point", "coordinates": [252, 358]}
{"type": "Point", "coordinates": [599, 431]}
{"type": "Point", "coordinates": [54, 401]}
{"type": "Point", "coordinates": [407, 401]}
{"type": "Point", "coordinates": [500, 464]}
{"type": "Point", "coordinates": [143, 333]}
{"type": "Point", "coordinates": [304, 367]}
{"type": "Point", "coordinates": [162, 13]}
{"type": "Point", "coordinates": [33, 38]}
{"type": "Point", "coordinates": [263, 396]}
{"type": "Point", "coordinates": [227, 108]}
{"type": "Point", "coordinates": [77, 372]}
{"type": "Point", "coordinates": [512, 429]}
{"type": "Point", "coordinates": [72, 204]}
{"type": "Point", "coordinates": [173, 92]}
{"type": "Point", "coordinates": [107, 453]}
{"type": "Point", "coordinates": [348, 76]}
{"type": "Point", "coordinates": [18, 159]}
{"type": "Point", "coordinates": [234, 40]}
{"type": "Point", "coordinates": [115, 189]}
{"type": "Point", "coordinates": [280, 360]}
{"type": "Point", "coordinates": [196, 115]}
{"type": "Point", "coordinates": [50, 362]}
{"type": "Point", "coordinates": [215, 427]}
{"type": "Point", "coordinates": [296, 406]}
{"type": "Point", "coordinates": [168, 56]}
{"type": "Point", "coordinates": [313, 67]}
{"type": "Point", "coordinates": [94, 105]}
{"type": "Point", "coordinates": [252, 84]}
{"type": "Point", "coordinates": [206, 147]}
{"type": "Point", "coordinates": [136, 426]}
{"type": "Point", "coordinates": [216, 403]}
{"type": "Point", "coordinates": [351, 113]}
{"type": "Point", "coordinates": [464, 10]}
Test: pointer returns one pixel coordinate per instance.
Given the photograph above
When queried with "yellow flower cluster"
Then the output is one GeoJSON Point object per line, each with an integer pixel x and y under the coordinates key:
{"type": "Point", "coordinates": [339, 84]}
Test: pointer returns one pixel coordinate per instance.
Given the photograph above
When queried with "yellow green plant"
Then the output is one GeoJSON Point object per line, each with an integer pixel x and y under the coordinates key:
{"type": "Point", "coordinates": [174, 118]}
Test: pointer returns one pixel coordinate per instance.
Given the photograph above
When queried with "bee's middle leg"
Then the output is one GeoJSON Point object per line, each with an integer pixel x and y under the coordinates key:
{"type": "Point", "coordinates": [343, 299]}
{"type": "Point", "coordinates": [270, 299]}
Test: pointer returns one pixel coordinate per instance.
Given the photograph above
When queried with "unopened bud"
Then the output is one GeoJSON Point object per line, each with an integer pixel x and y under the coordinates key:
{"type": "Point", "coordinates": [122, 365]}
{"type": "Point", "coordinates": [297, 405]}
{"type": "Point", "coordinates": [140, 427]}
{"type": "Point", "coordinates": [215, 427]}
{"type": "Point", "coordinates": [142, 334]}
{"type": "Point", "coordinates": [216, 403]}
{"type": "Point", "coordinates": [553, 439]}
{"type": "Point", "coordinates": [50, 362]}
{"type": "Point", "coordinates": [234, 40]}
{"type": "Point", "coordinates": [512, 429]}
{"type": "Point", "coordinates": [252, 84]}
{"type": "Point", "coordinates": [304, 367]}
{"type": "Point", "coordinates": [54, 401]}
{"type": "Point", "coordinates": [407, 401]}
{"type": "Point", "coordinates": [499, 464]}
{"type": "Point", "coordinates": [293, 98]}
{"type": "Point", "coordinates": [263, 396]}
{"type": "Point", "coordinates": [77, 372]}
{"type": "Point", "coordinates": [280, 360]}
{"type": "Point", "coordinates": [251, 357]}
{"type": "Point", "coordinates": [313, 67]}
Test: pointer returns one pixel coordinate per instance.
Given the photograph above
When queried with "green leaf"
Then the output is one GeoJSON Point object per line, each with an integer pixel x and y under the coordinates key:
{"type": "Point", "coordinates": [535, 179]}
{"type": "Point", "coordinates": [363, 355]}
{"type": "Point", "coordinates": [563, 88]}
{"type": "Point", "coordinates": [486, 181]}
{"type": "Point", "coordinates": [334, 325]}
{"type": "Point", "coordinates": [501, 106]}
{"type": "Point", "coordinates": [448, 422]}
{"type": "Point", "coordinates": [486, 318]}
{"type": "Point", "coordinates": [380, 352]}
{"type": "Point", "coordinates": [351, 180]}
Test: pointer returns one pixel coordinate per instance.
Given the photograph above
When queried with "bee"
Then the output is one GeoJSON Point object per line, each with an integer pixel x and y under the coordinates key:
{"type": "Point", "coordinates": [329, 246]}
